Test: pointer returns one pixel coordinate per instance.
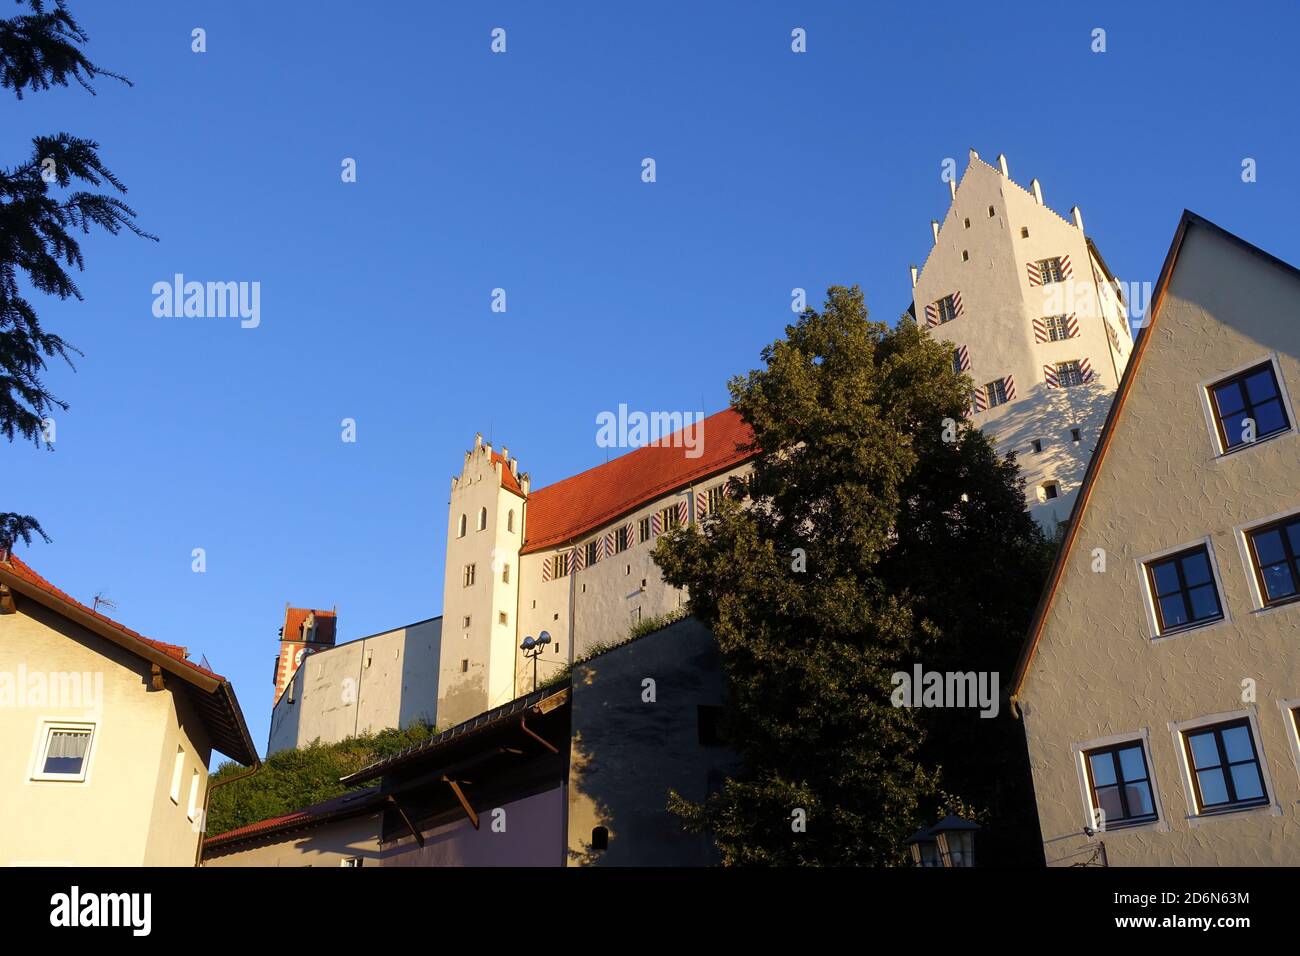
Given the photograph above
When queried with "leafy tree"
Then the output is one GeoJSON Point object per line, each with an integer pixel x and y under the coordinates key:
{"type": "Point", "coordinates": [42, 209]}
{"type": "Point", "coordinates": [294, 779]}
{"type": "Point", "coordinates": [867, 487]}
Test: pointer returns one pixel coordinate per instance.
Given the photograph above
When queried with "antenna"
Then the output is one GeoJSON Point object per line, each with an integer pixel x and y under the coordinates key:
{"type": "Point", "coordinates": [100, 599]}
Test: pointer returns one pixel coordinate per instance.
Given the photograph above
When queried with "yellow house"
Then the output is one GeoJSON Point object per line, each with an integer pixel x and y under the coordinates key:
{"type": "Point", "coordinates": [1160, 682]}
{"type": "Point", "coordinates": [105, 735]}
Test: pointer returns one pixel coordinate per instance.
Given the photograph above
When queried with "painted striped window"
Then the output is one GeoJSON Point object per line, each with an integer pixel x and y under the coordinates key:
{"type": "Point", "coordinates": [956, 361]}
{"type": "Point", "coordinates": [946, 308]}
{"type": "Point", "coordinates": [643, 530]}
{"type": "Point", "coordinates": [996, 391]}
{"type": "Point", "coordinates": [1057, 329]}
{"type": "Point", "coordinates": [621, 540]}
{"type": "Point", "coordinates": [668, 518]}
{"type": "Point", "coordinates": [1050, 270]}
{"type": "Point", "coordinates": [590, 552]}
{"type": "Point", "coordinates": [560, 565]}
{"type": "Point", "coordinates": [1069, 373]}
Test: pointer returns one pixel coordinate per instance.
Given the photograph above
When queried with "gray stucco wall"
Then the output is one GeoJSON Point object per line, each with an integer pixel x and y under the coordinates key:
{"type": "Point", "coordinates": [627, 753]}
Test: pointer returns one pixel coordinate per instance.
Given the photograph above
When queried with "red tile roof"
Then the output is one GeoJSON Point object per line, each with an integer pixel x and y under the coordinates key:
{"type": "Point", "coordinates": [347, 804]}
{"type": "Point", "coordinates": [508, 480]}
{"type": "Point", "coordinates": [23, 570]}
{"type": "Point", "coordinates": [577, 505]}
{"type": "Point", "coordinates": [326, 624]}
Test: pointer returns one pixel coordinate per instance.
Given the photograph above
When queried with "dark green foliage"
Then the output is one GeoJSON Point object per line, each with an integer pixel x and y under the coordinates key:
{"type": "Point", "coordinates": [295, 779]}
{"type": "Point", "coordinates": [41, 212]}
{"type": "Point", "coordinates": [853, 471]}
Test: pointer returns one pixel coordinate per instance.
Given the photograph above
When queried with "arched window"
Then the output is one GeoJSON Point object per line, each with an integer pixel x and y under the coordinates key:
{"type": "Point", "coordinates": [460, 533]}
{"type": "Point", "coordinates": [482, 518]}
{"type": "Point", "coordinates": [600, 838]}
{"type": "Point", "coordinates": [510, 520]}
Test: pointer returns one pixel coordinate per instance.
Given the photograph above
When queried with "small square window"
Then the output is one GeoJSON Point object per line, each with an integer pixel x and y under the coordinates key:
{"type": "Point", "coordinates": [1275, 557]}
{"type": "Point", "coordinates": [965, 255]}
{"type": "Point", "coordinates": [1224, 765]}
{"type": "Point", "coordinates": [466, 621]}
{"type": "Point", "coordinates": [1076, 435]}
{"type": "Point", "coordinates": [1248, 407]}
{"type": "Point", "coordinates": [1024, 232]}
{"type": "Point", "coordinates": [505, 574]}
{"type": "Point", "coordinates": [992, 212]}
{"type": "Point", "coordinates": [65, 751]}
{"type": "Point", "coordinates": [1050, 490]}
{"type": "Point", "coordinates": [1120, 785]}
{"type": "Point", "coordinates": [1036, 445]}
{"type": "Point", "coordinates": [1183, 590]}
{"type": "Point", "coordinates": [502, 618]}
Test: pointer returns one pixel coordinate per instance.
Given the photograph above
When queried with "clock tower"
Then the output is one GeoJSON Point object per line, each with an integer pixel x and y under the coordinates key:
{"type": "Point", "coordinates": [305, 632]}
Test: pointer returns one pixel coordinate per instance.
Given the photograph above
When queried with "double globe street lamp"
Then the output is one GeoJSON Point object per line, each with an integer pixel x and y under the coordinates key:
{"type": "Point", "coordinates": [533, 647]}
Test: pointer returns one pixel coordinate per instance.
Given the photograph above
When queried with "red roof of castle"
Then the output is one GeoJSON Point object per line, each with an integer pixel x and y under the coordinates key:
{"type": "Point", "coordinates": [326, 623]}
{"type": "Point", "coordinates": [508, 480]}
{"type": "Point", "coordinates": [574, 506]}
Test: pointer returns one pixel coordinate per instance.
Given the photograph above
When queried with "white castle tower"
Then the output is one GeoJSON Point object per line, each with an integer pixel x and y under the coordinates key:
{"type": "Point", "coordinates": [480, 593]}
{"type": "Point", "coordinates": [1036, 319]}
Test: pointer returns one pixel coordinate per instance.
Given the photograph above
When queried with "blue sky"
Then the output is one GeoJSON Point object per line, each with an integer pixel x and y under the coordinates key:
{"type": "Point", "coordinates": [523, 171]}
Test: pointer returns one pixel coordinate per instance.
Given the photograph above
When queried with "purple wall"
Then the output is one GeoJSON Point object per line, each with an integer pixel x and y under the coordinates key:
{"type": "Point", "coordinates": [534, 836]}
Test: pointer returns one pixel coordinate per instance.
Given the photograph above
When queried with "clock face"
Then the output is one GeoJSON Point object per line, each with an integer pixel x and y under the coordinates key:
{"type": "Point", "coordinates": [297, 658]}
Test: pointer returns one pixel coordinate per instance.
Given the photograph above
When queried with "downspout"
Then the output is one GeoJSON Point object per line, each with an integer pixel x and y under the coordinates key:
{"type": "Point", "coordinates": [207, 801]}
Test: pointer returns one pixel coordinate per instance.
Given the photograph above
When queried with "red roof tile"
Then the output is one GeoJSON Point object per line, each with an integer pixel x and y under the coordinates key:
{"type": "Point", "coordinates": [346, 804]}
{"type": "Point", "coordinates": [326, 624]}
{"type": "Point", "coordinates": [577, 505]}
{"type": "Point", "coordinates": [16, 565]}
{"type": "Point", "coordinates": [508, 480]}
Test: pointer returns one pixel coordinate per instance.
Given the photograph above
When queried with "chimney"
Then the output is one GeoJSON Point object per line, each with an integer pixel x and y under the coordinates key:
{"type": "Point", "coordinates": [1037, 190]}
{"type": "Point", "coordinates": [913, 277]}
{"type": "Point", "coordinates": [524, 483]}
{"type": "Point", "coordinates": [1002, 165]}
{"type": "Point", "coordinates": [934, 228]}
{"type": "Point", "coordinates": [1077, 217]}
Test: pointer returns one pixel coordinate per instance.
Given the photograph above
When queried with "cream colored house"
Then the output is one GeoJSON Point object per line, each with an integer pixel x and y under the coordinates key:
{"type": "Point", "coordinates": [1036, 319]}
{"type": "Point", "coordinates": [105, 735]}
{"type": "Point", "coordinates": [343, 831]}
{"type": "Point", "coordinates": [1160, 683]}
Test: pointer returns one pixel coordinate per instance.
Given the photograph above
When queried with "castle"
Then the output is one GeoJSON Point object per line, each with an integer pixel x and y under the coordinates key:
{"type": "Point", "coordinates": [1031, 312]}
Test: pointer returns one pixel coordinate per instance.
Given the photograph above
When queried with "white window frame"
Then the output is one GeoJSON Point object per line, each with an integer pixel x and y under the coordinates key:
{"type": "Point", "coordinates": [178, 768]}
{"type": "Point", "coordinates": [1292, 724]}
{"type": "Point", "coordinates": [192, 809]}
{"type": "Point", "coordinates": [1149, 601]}
{"type": "Point", "coordinates": [1240, 533]}
{"type": "Point", "coordinates": [1195, 817]}
{"type": "Point", "coordinates": [1080, 751]}
{"type": "Point", "coordinates": [1051, 323]}
{"type": "Point", "coordinates": [1207, 405]}
{"type": "Point", "coordinates": [45, 730]}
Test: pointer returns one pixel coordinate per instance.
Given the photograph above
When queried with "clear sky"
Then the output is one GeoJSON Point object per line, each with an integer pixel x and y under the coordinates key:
{"type": "Point", "coordinates": [522, 171]}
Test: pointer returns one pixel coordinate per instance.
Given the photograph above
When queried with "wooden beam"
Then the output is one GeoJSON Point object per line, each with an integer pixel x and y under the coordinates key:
{"type": "Point", "coordinates": [464, 803]}
{"type": "Point", "coordinates": [545, 743]}
{"type": "Point", "coordinates": [419, 837]}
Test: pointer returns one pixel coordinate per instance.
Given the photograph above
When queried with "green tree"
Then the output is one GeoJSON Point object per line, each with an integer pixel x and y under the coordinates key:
{"type": "Point", "coordinates": [814, 592]}
{"type": "Point", "coordinates": [42, 209]}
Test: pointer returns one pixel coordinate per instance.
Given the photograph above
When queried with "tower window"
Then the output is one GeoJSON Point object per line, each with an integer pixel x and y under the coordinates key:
{"type": "Point", "coordinates": [1057, 328]}
{"type": "Point", "coordinates": [460, 533]}
{"type": "Point", "coordinates": [465, 623]}
{"type": "Point", "coordinates": [996, 391]}
{"type": "Point", "coordinates": [709, 718]}
{"type": "Point", "coordinates": [510, 520]}
{"type": "Point", "coordinates": [464, 666]}
{"type": "Point", "coordinates": [467, 577]}
{"type": "Point", "coordinates": [1076, 435]}
{"type": "Point", "coordinates": [967, 223]}
{"type": "Point", "coordinates": [1049, 490]}
{"type": "Point", "coordinates": [482, 518]}
{"type": "Point", "coordinates": [1024, 232]}
{"type": "Point", "coordinates": [946, 309]}
{"type": "Point", "coordinates": [1049, 270]}
{"type": "Point", "coordinates": [1036, 445]}
{"type": "Point", "coordinates": [992, 212]}
{"type": "Point", "coordinates": [965, 255]}
{"type": "Point", "coordinates": [600, 838]}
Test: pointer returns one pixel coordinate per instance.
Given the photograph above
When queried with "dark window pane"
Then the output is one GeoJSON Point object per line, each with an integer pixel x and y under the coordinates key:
{"type": "Point", "coordinates": [1234, 429]}
{"type": "Point", "coordinates": [1172, 612]}
{"type": "Point", "coordinates": [1140, 803]}
{"type": "Point", "coordinates": [1260, 387]}
{"type": "Point", "coordinates": [63, 765]}
{"type": "Point", "coordinates": [1228, 398]}
{"type": "Point", "coordinates": [1108, 800]}
{"type": "Point", "coordinates": [1245, 779]}
{"type": "Point", "coordinates": [1293, 535]}
{"type": "Point", "coordinates": [1204, 751]}
{"type": "Point", "coordinates": [1268, 546]}
{"type": "Point", "coordinates": [1213, 790]}
{"type": "Point", "coordinates": [1166, 578]}
{"type": "Point", "coordinates": [1205, 603]}
{"type": "Point", "coordinates": [1196, 568]}
{"type": "Point", "coordinates": [1103, 769]}
{"type": "Point", "coordinates": [1131, 764]}
{"type": "Point", "coordinates": [1236, 744]}
{"type": "Point", "coordinates": [1278, 582]}
{"type": "Point", "coordinates": [1269, 418]}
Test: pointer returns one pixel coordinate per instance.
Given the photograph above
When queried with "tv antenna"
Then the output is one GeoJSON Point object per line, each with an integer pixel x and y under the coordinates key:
{"type": "Point", "coordinates": [106, 602]}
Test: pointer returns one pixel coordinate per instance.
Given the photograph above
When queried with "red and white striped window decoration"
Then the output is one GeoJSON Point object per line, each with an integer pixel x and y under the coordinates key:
{"type": "Point", "coordinates": [960, 359]}
{"type": "Point", "coordinates": [557, 565]}
{"type": "Point", "coordinates": [995, 393]}
{"type": "Point", "coordinates": [1056, 269]}
{"type": "Point", "coordinates": [1056, 328]}
{"type": "Point", "coordinates": [683, 511]}
{"type": "Point", "coordinates": [943, 310]}
{"type": "Point", "coordinates": [1068, 374]}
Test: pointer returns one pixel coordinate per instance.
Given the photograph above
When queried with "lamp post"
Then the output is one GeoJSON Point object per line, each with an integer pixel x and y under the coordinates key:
{"type": "Point", "coordinates": [533, 647]}
{"type": "Point", "coordinates": [956, 839]}
{"type": "Point", "coordinates": [924, 847]}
